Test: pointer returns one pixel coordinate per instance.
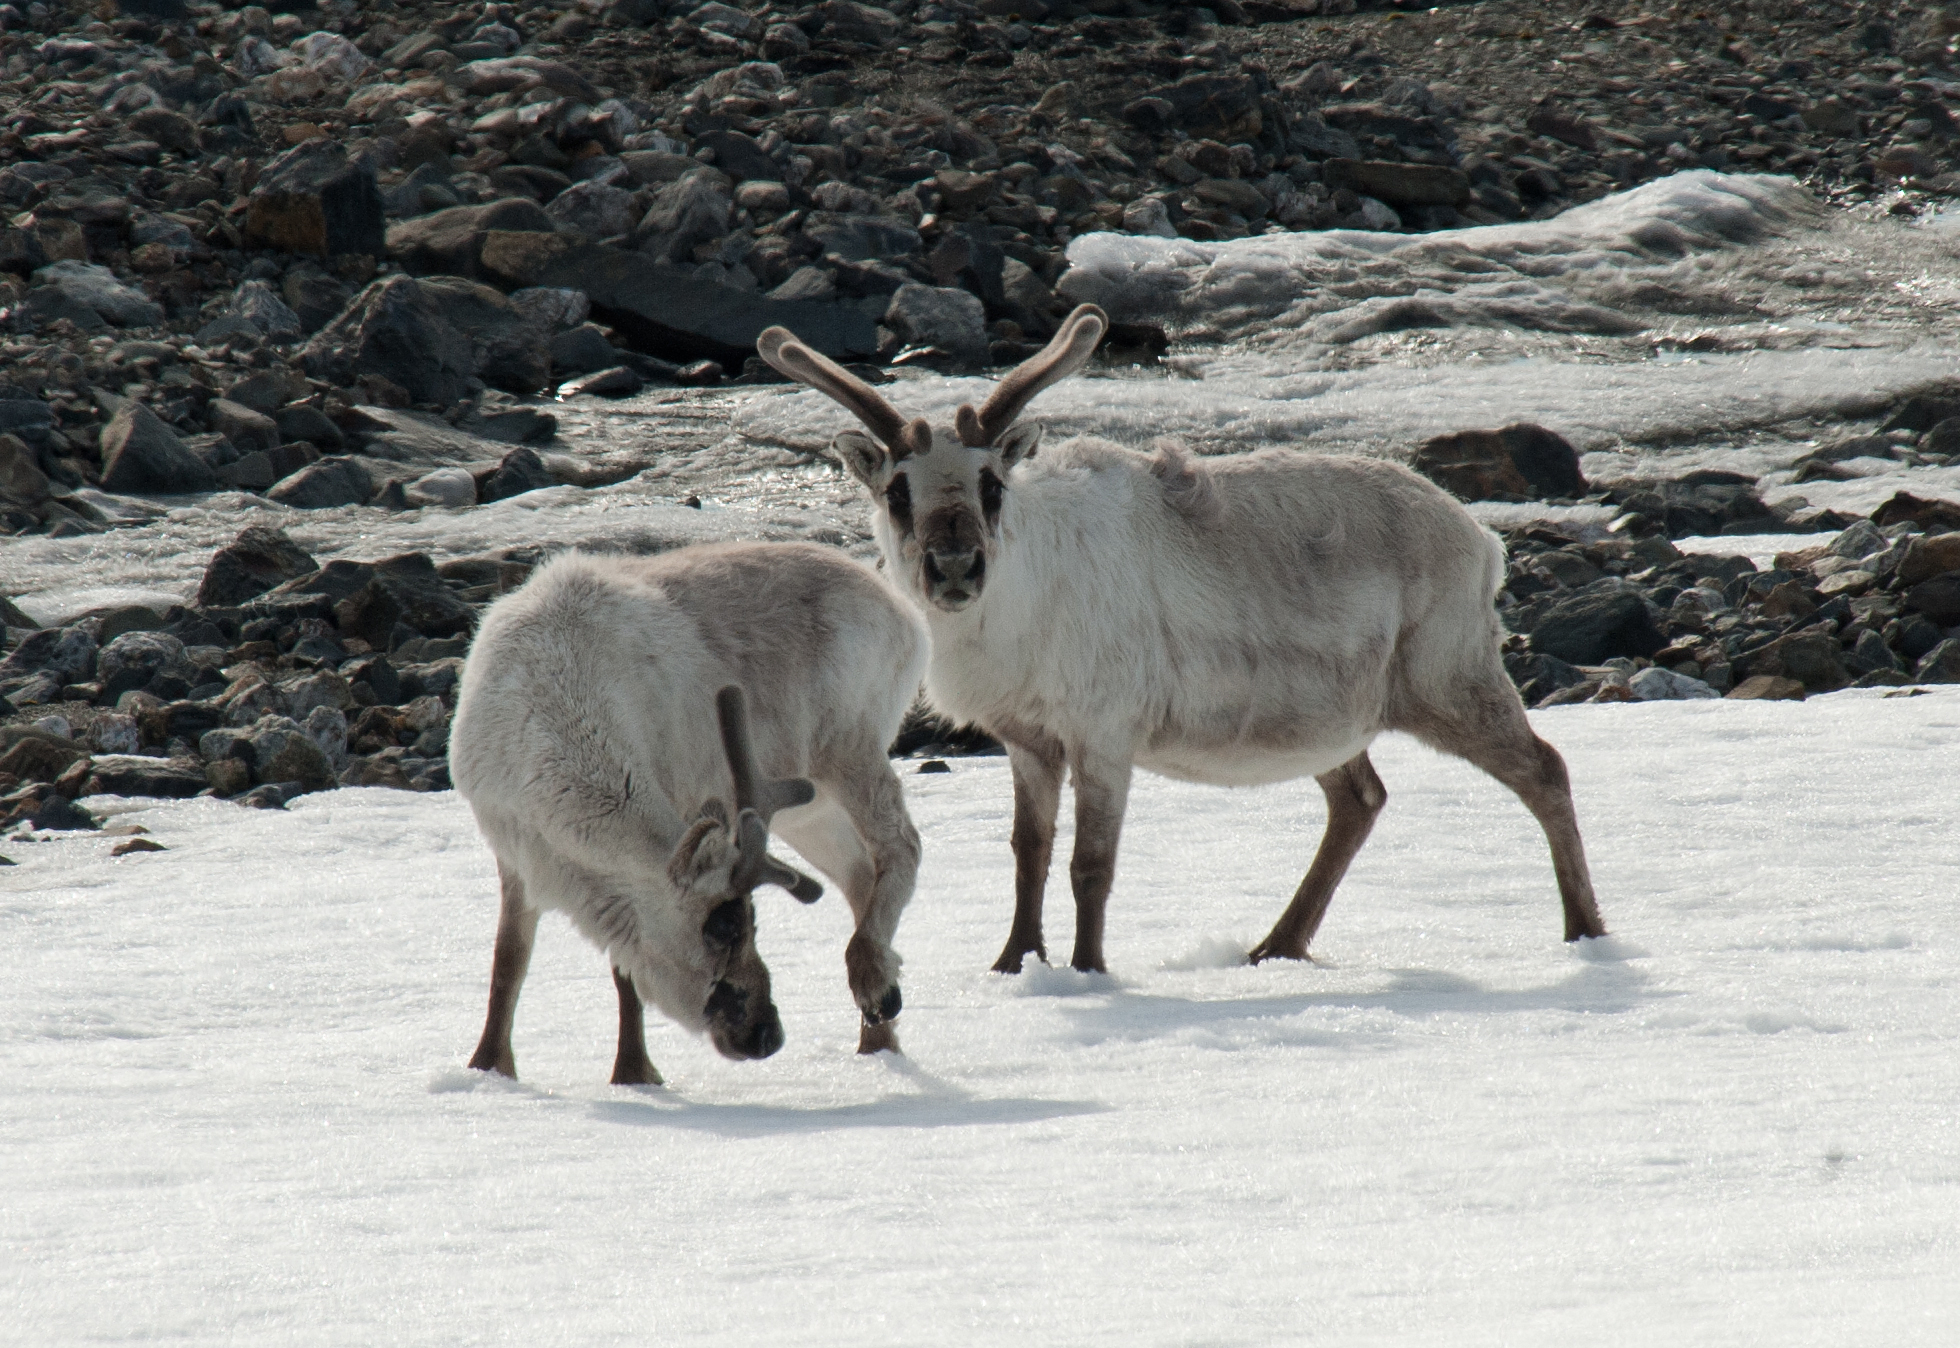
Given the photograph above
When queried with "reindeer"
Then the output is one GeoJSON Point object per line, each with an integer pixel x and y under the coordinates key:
{"type": "Point", "coordinates": [585, 741]}
{"type": "Point", "coordinates": [1252, 618]}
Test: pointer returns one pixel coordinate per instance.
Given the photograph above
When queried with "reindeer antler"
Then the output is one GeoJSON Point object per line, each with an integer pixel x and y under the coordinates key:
{"type": "Point", "coordinates": [814, 370]}
{"type": "Point", "coordinates": [1068, 351]}
{"type": "Point", "coordinates": [756, 803]}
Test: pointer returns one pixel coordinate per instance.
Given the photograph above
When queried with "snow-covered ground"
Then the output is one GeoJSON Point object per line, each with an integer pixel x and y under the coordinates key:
{"type": "Point", "coordinates": [236, 1110]}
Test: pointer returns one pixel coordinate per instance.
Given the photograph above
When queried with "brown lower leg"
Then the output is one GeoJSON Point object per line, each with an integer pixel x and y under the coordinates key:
{"type": "Point", "coordinates": [631, 1066]}
{"type": "Point", "coordinates": [517, 929]}
{"type": "Point", "coordinates": [1547, 793]}
{"type": "Point", "coordinates": [1102, 793]}
{"type": "Point", "coordinates": [1355, 796]}
{"type": "Point", "coordinates": [1037, 796]}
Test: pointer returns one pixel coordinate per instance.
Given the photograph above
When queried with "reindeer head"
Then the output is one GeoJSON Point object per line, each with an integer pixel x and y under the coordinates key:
{"type": "Point", "coordinates": [716, 866]}
{"type": "Point", "coordinates": [940, 491]}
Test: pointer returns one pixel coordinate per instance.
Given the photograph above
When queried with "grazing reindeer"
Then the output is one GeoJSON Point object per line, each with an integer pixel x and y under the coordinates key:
{"type": "Point", "coordinates": [1252, 618]}
{"type": "Point", "coordinates": [585, 742]}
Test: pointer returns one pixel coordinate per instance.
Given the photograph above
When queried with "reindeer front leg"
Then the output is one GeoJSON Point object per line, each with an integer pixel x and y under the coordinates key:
{"type": "Point", "coordinates": [1037, 798]}
{"type": "Point", "coordinates": [517, 932]}
{"type": "Point", "coordinates": [1102, 793]}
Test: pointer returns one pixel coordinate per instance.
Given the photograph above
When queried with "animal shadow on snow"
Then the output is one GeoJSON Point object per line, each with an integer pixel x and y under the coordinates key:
{"type": "Point", "coordinates": [938, 1105]}
{"type": "Point", "coordinates": [1415, 994]}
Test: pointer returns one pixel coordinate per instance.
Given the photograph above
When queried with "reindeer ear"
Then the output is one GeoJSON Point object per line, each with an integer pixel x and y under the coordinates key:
{"type": "Point", "coordinates": [1018, 442]}
{"type": "Point", "coordinates": [687, 864]}
{"type": "Point", "coordinates": [863, 457]}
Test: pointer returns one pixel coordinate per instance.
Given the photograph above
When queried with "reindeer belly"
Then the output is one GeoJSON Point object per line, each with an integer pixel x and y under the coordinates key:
{"type": "Point", "coordinates": [1251, 765]}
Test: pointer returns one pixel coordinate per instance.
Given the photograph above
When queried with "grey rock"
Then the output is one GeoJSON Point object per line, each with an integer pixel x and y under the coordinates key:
{"type": "Point", "coordinates": [313, 199]}
{"type": "Point", "coordinates": [315, 296]}
{"type": "Point", "coordinates": [552, 308]}
{"type": "Point", "coordinates": [451, 487]}
{"type": "Point", "coordinates": [254, 562]}
{"type": "Point", "coordinates": [331, 482]}
{"type": "Point", "coordinates": [594, 210]}
{"type": "Point", "coordinates": [245, 428]}
{"type": "Point", "coordinates": [142, 455]}
{"type": "Point", "coordinates": [268, 390]}
{"type": "Point", "coordinates": [1655, 684]}
{"type": "Point", "coordinates": [86, 287]}
{"type": "Point", "coordinates": [65, 654]}
{"type": "Point", "coordinates": [303, 421]}
{"type": "Point", "coordinates": [396, 328]}
{"type": "Point", "coordinates": [263, 467]}
{"type": "Point", "coordinates": [326, 726]}
{"type": "Point", "coordinates": [1595, 625]}
{"type": "Point", "coordinates": [582, 350]}
{"type": "Point", "coordinates": [691, 211]}
{"type": "Point", "coordinates": [134, 658]}
{"type": "Point", "coordinates": [620, 381]}
{"type": "Point", "coordinates": [806, 283]}
{"type": "Point", "coordinates": [952, 320]}
{"type": "Point", "coordinates": [133, 775]}
{"type": "Point", "coordinates": [507, 350]}
{"type": "Point", "coordinates": [282, 751]}
{"type": "Point", "coordinates": [847, 21]}
{"type": "Point", "coordinates": [861, 238]}
{"type": "Point", "coordinates": [1940, 665]}
{"type": "Point", "coordinates": [740, 157]}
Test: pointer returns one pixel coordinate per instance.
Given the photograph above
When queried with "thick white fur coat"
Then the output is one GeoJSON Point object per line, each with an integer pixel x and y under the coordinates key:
{"type": "Point", "coordinates": [586, 739]}
{"type": "Point", "coordinates": [1235, 620]}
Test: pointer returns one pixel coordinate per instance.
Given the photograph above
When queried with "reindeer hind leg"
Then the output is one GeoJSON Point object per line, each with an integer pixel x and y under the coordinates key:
{"type": "Point", "coordinates": [517, 931]}
{"type": "Point", "coordinates": [1355, 796]}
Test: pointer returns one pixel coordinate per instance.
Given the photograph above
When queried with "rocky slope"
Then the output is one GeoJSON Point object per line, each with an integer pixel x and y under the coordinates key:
{"type": "Point", "coordinates": [338, 254]}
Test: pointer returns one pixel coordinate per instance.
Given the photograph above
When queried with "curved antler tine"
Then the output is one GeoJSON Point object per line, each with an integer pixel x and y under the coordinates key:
{"type": "Point", "coordinates": [779, 347]}
{"type": "Point", "coordinates": [1068, 351]}
{"type": "Point", "coordinates": [732, 711]}
{"type": "Point", "coordinates": [966, 422]}
{"type": "Point", "coordinates": [800, 886]}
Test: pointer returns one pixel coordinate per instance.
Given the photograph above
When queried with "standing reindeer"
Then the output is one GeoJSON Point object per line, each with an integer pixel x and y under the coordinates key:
{"type": "Point", "coordinates": [586, 744]}
{"type": "Point", "coordinates": [1252, 618]}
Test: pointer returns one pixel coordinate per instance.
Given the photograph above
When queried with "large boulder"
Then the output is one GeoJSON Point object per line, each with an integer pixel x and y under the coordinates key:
{"type": "Point", "coordinates": [1520, 460]}
{"type": "Point", "coordinates": [258, 559]}
{"type": "Point", "coordinates": [508, 350]}
{"type": "Point", "coordinates": [140, 454]}
{"type": "Point", "coordinates": [593, 209]}
{"type": "Point", "coordinates": [670, 314]}
{"type": "Point", "coordinates": [395, 328]}
{"type": "Point", "coordinates": [693, 210]}
{"type": "Point", "coordinates": [1399, 184]}
{"type": "Point", "coordinates": [943, 317]}
{"type": "Point", "coordinates": [448, 242]}
{"type": "Point", "coordinates": [330, 482]}
{"type": "Point", "coordinates": [90, 296]}
{"type": "Point", "coordinates": [1596, 625]}
{"type": "Point", "coordinates": [313, 199]}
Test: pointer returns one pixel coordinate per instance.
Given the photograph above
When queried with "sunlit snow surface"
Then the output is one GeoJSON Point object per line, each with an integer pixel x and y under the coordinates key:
{"type": "Point", "coordinates": [236, 1110]}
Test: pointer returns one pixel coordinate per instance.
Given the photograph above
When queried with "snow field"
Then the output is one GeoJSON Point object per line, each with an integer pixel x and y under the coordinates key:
{"type": "Point", "coordinates": [238, 1114]}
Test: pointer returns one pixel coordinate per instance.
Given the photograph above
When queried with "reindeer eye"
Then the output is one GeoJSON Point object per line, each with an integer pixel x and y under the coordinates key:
{"type": "Point", "coordinates": [724, 924]}
{"type": "Point", "coordinates": [991, 490]}
{"type": "Point", "coordinates": [898, 500]}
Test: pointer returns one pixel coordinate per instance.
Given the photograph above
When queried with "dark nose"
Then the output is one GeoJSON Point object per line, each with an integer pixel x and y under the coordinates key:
{"type": "Point", "coordinates": [764, 1037]}
{"type": "Point", "coordinates": [958, 568]}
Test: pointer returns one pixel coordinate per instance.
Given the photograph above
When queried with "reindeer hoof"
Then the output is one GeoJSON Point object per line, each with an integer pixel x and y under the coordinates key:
{"type": "Point", "coordinates": [878, 1038]}
{"type": "Point", "coordinates": [642, 1073]}
{"type": "Point", "coordinates": [1010, 958]}
{"type": "Point", "coordinates": [1266, 950]}
{"type": "Point", "coordinates": [886, 1009]}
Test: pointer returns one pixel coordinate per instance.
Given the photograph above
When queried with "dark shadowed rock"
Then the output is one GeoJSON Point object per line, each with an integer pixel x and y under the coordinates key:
{"type": "Point", "coordinates": [330, 482]}
{"type": "Point", "coordinates": [521, 471]}
{"type": "Point", "coordinates": [509, 351]}
{"type": "Point", "coordinates": [395, 328]}
{"type": "Point", "coordinates": [312, 199]}
{"type": "Point", "coordinates": [672, 315]}
{"type": "Point", "coordinates": [1596, 625]}
{"type": "Point", "coordinates": [1399, 184]}
{"type": "Point", "coordinates": [1520, 460]}
{"type": "Point", "coordinates": [244, 427]}
{"type": "Point", "coordinates": [132, 775]}
{"type": "Point", "coordinates": [140, 454]}
{"type": "Point", "coordinates": [258, 559]}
